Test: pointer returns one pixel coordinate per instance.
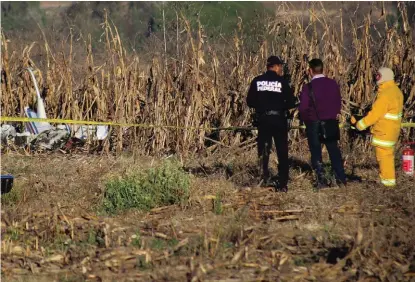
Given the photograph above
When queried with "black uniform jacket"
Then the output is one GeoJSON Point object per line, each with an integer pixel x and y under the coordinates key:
{"type": "Point", "coordinates": [270, 92]}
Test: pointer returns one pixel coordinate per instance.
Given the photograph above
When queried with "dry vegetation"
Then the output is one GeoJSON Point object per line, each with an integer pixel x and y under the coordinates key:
{"type": "Point", "coordinates": [192, 82]}
{"type": "Point", "coordinates": [54, 227]}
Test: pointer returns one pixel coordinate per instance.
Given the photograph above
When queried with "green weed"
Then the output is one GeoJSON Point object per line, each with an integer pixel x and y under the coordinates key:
{"type": "Point", "coordinates": [166, 184]}
{"type": "Point", "coordinates": [92, 237]}
{"type": "Point", "coordinates": [11, 198]}
{"type": "Point", "coordinates": [299, 261]}
{"type": "Point", "coordinates": [217, 204]}
{"type": "Point", "coordinates": [61, 243]}
{"type": "Point", "coordinates": [228, 245]}
{"type": "Point", "coordinates": [12, 233]}
{"type": "Point", "coordinates": [157, 244]}
{"type": "Point", "coordinates": [172, 243]}
{"type": "Point", "coordinates": [141, 263]}
{"type": "Point", "coordinates": [136, 242]}
{"type": "Point", "coordinates": [329, 173]}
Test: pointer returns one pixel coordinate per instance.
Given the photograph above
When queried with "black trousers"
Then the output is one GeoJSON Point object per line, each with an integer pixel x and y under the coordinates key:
{"type": "Point", "coordinates": [273, 127]}
{"type": "Point", "coordinates": [314, 143]}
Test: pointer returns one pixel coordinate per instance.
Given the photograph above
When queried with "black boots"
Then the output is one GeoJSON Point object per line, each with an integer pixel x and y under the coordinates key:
{"type": "Point", "coordinates": [321, 182]}
{"type": "Point", "coordinates": [274, 183]}
{"type": "Point", "coordinates": [281, 188]}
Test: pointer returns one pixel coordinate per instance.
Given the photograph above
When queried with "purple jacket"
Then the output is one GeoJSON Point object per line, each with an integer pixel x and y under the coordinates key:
{"type": "Point", "coordinates": [328, 100]}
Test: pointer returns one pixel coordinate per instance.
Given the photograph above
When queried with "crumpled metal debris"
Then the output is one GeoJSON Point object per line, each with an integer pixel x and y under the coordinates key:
{"type": "Point", "coordinates": [51, 139]}
{"type": "Point", "coordinates": [7, 133]}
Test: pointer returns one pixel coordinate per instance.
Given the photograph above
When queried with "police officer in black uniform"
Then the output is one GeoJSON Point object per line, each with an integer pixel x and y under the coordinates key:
{"type": "Point", "coordinates": [271, 97]}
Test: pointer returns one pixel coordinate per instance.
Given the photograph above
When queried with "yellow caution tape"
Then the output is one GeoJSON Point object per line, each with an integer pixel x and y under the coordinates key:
{"type": "Point", "coordinates": [110, 123]}
{"type": "Point", "coordinates": [82, 122]}
{"type": "Point", "coordinates": [408, 124]}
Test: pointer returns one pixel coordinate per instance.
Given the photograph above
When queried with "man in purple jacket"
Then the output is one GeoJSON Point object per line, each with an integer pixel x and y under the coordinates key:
{"type": "Point", "coordinates": [325, 107]}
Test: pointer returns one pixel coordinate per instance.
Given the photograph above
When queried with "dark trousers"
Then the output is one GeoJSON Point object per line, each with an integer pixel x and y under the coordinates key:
{"type": "Point", "coordinates": [273, 127]}
{"type": "Point", "coordinates": [314, 144]}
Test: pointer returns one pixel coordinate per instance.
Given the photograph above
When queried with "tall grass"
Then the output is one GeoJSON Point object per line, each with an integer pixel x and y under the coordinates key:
{"type": "Point", "coordinates": [192, 82]}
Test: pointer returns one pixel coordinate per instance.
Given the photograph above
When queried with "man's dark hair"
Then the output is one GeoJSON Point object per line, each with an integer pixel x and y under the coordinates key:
{"type": "Point", "coordinates": [274, 60]}
{"type": "Point", "coordinates": [316, 65]}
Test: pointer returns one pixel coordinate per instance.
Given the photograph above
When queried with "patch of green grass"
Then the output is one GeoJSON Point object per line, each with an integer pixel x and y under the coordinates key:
{"type": "Point", "coordinates": [157, 244]}
{"type": "Point", "coordinates": [21, 15]}
{"type": "Point", "coordinates": [331, 235]}
{"type": "Point", "coordinates": [92, 237]}
{"type": "Point", "coordinates": [299, 261]}
{"type": "Point", "coordinates": [136, 242]}
{"type": "Point", "coordinates": [217, 204]}
{"type": "Point", "coordinates": [141, 263]}
{"type": "Point", "coordinates": [216, 17]}
{"type": "Point", "coordinates": [12, 233]}
{"type": "Point", "coordinates": [228, 245]}
{"type": "Point", "coordinates": [48, 252]}
{"type": "Point", "coordinates": [61, 243]}
{"type": "Point", "coordinates": [11, 198]}
{"type": "Point", "coordinates": [164, 185]}
{"type": "Point", "coordinates": [172, 243]}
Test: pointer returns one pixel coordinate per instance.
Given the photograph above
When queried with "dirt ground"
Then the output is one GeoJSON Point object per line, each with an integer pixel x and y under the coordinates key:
{"type": "Point", "coordinates": [230, 230]}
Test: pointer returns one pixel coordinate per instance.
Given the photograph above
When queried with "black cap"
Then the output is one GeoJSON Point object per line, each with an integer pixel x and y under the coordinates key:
{"type": "Point", "coordinates": [274, 60]}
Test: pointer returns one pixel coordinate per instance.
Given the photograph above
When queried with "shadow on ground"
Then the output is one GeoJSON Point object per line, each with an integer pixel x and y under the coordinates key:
{"type": "Point", "coordinates": [248, 175]}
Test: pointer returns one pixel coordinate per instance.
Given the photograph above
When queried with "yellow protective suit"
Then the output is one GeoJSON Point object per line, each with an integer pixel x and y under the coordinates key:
{"type": "Point", "coordinates": [385, 116]}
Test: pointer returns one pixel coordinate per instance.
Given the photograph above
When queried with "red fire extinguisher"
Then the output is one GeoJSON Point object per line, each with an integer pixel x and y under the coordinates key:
{"type": "Point", "coordinates": [408, 159]}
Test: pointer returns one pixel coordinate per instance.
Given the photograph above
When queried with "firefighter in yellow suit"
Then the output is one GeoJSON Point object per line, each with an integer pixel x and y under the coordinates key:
{"type": "Point", "coordinates": [385, 116]}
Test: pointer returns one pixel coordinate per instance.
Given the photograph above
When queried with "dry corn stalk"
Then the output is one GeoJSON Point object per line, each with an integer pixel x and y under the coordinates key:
{"type": "Point", "coordinates": [194, 83]}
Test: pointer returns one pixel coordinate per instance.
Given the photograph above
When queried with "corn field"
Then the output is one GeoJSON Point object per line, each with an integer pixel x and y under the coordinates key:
{"type": "Point", "coordinates": [191, 82]}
